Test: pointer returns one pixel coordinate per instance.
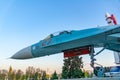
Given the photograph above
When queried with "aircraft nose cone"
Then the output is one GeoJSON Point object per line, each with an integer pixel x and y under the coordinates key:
{"type": "Point", "coordinates": [23, 54]}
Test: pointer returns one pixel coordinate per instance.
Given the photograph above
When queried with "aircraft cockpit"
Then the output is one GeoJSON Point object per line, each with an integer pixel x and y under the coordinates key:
{"type": "Point", "coordinates": [58, 33]}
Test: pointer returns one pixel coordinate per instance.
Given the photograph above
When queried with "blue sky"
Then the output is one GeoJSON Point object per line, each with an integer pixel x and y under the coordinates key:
{"type": "Point", "coordinates": [25, 22]}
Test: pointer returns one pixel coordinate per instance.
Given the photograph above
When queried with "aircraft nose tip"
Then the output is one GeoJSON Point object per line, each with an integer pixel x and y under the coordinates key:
{"type": "Point", "coordinates": [23, 54]}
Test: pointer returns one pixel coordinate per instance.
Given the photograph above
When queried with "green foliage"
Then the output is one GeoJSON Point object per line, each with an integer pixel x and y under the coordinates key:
{"type": "Point", "coordinates": [31, 73]}
{"type": "Point", "coordinates": [107, 69]}
{"type": "Point", "coordinates": [11, 74]}
{"type": "Point", "coordinates": [23, 77]}
{"type": "Point", "coordinates": [44, 76]}
{"type": "Point", "coordinates": [3, 74]}
{"type": "Point", "coordinates": [86, 74]}
{"type": "Point", "coordinates": [54, 76]}
{"type": "Point", "coordinates": [72, 68]}
{"type": "Point", "coordinates": [64, 72]}
{"type": "Point", "coordinates": [19, 74]}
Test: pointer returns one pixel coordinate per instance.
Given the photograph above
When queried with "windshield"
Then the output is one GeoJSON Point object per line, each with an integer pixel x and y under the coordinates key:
{"type": "Point", "coordinates": [58, 33]}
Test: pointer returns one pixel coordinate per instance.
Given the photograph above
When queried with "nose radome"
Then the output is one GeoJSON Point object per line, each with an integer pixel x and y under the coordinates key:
{"type": "Point", "coordinates": [23, 54]}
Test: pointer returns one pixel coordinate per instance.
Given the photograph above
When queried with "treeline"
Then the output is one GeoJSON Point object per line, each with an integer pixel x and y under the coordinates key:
{"type": "Point", "coordinates": [72, 68]}
{"type": "Point", "coordinates": [31, 73]}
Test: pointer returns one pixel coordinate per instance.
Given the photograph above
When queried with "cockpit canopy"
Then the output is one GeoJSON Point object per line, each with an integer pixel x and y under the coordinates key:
{"type": "Point", "coordinates": [58, 33]}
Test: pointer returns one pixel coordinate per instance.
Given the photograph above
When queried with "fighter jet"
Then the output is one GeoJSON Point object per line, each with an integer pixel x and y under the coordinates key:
{"type": "Point", "coordinates": [74, 42]}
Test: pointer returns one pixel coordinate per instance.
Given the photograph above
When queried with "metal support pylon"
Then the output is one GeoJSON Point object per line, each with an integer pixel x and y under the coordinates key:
{"type": "Point", "coordinates": [92, 57]}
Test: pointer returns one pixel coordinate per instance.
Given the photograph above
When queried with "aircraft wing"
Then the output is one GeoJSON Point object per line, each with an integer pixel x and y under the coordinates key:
{"type": "Point", "coordinates": [114, 42]}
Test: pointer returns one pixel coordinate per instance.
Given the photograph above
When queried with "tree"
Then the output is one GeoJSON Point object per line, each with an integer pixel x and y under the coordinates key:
{"type": "Point", "coordinates": [19, 74]}
{"type": "Point", "coordinates": [44, 75]}
{"type": "Point", "coordinates": [11, 74]}
{"type": "Point", "coordinates": [72, 67]}
{"type": "Point", "coordinates": [23, 77]}
{"type": "Point", "coordinates": [37, 74]}
{"type": "Point", "coordinates": [88, 74]}
{"type": "Point", "coordinates": [107, 69]}
{"type": "Point", "coordinates": [30, 72]}
{"type": "Point", "coordinates": [54, 76]}
{"type": "Point", "coordinates": [3, 74]}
